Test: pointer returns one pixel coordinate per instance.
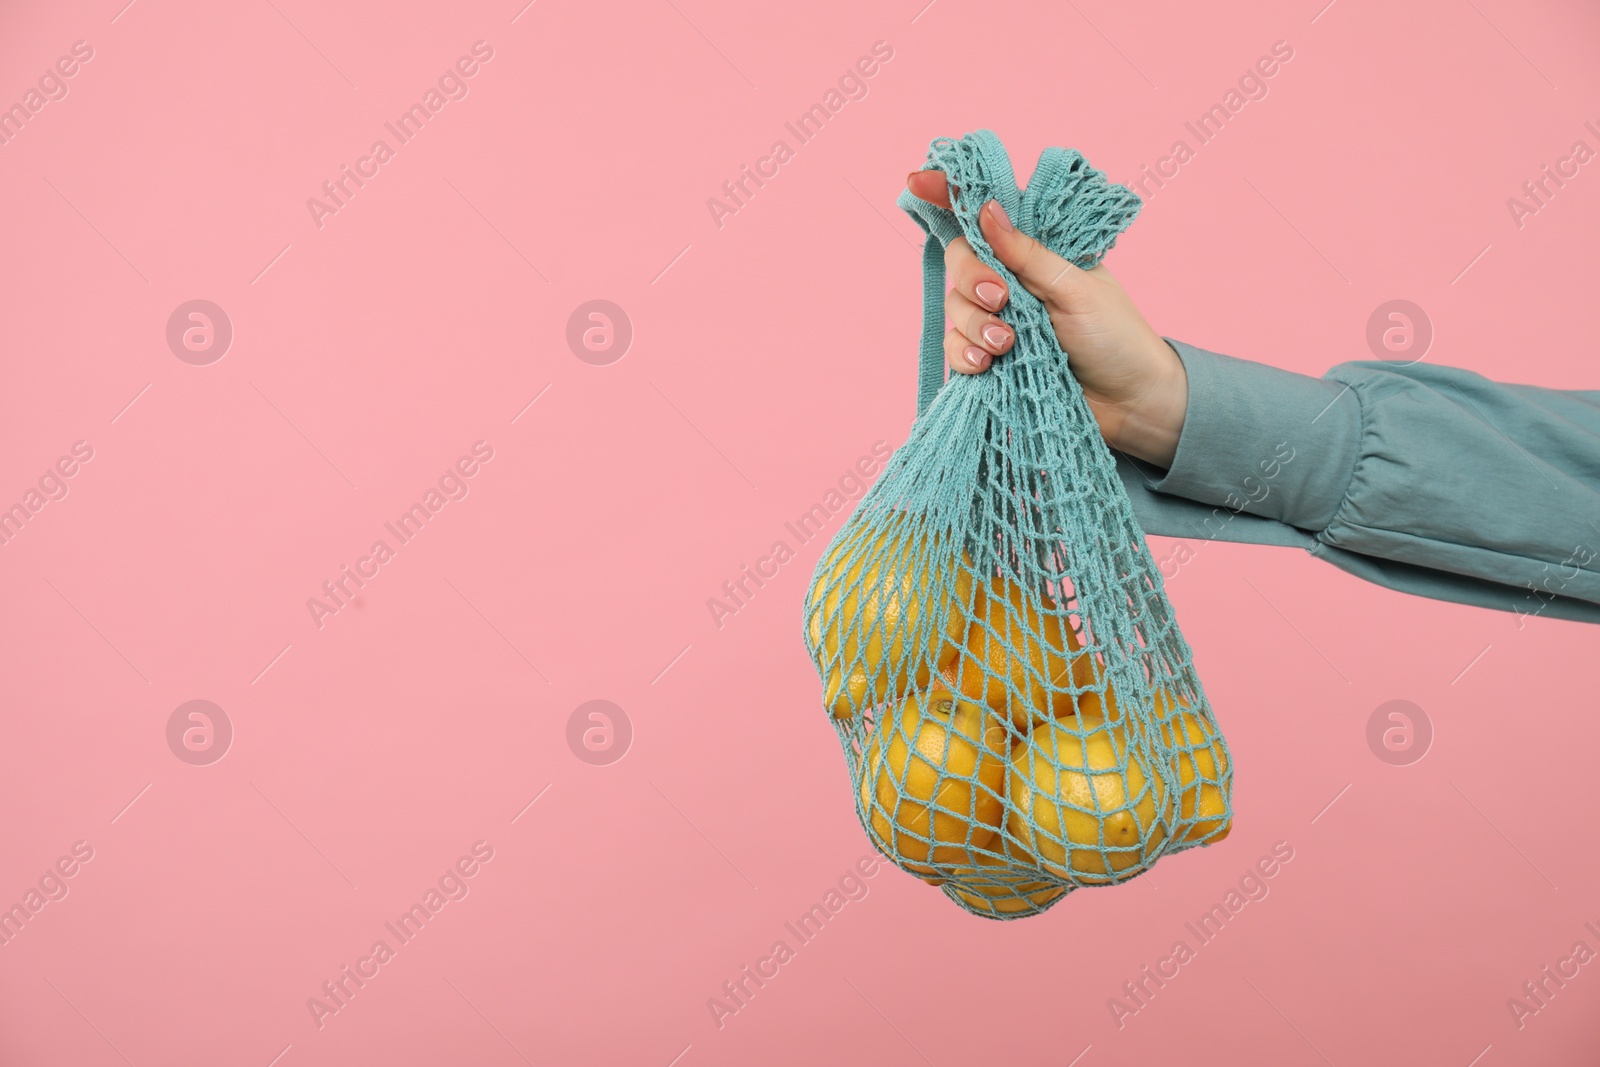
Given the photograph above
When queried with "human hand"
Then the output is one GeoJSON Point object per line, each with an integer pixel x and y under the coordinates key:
{"type": "Point", "coordinates": [1133, 380]}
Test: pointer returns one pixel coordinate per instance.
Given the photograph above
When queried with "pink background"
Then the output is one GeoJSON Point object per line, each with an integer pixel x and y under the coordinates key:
{"type": "Point", "coordinates": [768, 354]}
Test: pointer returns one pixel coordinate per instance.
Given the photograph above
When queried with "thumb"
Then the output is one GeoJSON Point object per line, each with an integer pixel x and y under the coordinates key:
{"type": "Point", "coordinates": [1046, 275]}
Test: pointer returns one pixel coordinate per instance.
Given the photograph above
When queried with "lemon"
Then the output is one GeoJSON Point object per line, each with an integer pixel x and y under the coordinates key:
{"type": "Point", "coordinates": [1202, 767]}
{"type": "Point", "coordinates": [1018, 659]}
{"type": "Point", "coordinates": [998, 888]}
{"type": "Point", "coordinates": [872, 603]}
{"type": "Point", "coordinates": [931, 781]}
{"type": "Point", "coordinates": [1070, 796]}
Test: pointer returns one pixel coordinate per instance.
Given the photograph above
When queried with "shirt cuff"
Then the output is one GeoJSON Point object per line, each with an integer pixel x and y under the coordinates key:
{"type": "Point", "coordinates": [1265, 441]}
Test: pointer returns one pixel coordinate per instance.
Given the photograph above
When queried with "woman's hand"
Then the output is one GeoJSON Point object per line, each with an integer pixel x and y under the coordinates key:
{"type": "Point", "coordinates": [1133, 380]}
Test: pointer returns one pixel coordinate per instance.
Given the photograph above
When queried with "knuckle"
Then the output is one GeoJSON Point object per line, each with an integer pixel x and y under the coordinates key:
{"type": "Point", "coordinates": [954, 346]}
{"type": "Point", "coordinates": [954, 272]}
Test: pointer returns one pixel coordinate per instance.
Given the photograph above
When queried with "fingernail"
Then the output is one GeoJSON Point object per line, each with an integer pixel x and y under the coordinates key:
{"type": "Point", "coordinates": [975, 355]}
{"type": "Point", "coordinates": [991, 294]}
{"type": "Point", "coordinates": [999, 215]}
{"type": "Point", "coordinates": [995, 334]}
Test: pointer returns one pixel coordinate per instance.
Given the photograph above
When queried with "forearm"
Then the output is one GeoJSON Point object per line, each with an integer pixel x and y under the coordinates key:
{"type": "Point", "coordinates": [1423, 465]}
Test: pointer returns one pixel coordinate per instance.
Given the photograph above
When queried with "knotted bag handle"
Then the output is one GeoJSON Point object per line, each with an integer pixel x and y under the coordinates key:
{"type": "Point", "coordinates": [1068, 206]}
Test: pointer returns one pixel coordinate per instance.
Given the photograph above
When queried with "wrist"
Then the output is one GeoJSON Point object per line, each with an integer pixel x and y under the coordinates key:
{"type": "Point", "coordinates": [1152, 421]}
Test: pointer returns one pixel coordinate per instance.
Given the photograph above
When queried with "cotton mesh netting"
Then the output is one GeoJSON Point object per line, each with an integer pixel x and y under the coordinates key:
{"type": "Point", "coordinates": [1018, 709]}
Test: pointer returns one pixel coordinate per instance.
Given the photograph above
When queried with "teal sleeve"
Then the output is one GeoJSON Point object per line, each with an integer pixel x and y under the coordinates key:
{"type": "Point", "coordinates": [1427, 479]}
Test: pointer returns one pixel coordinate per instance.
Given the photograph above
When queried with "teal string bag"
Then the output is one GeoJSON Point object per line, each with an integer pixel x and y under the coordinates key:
{"type": "Point", "coordinates": [1018, 709]}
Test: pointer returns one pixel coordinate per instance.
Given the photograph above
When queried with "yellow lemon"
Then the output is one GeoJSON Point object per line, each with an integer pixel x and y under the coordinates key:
{"type": "Point", "coordinates": [1202, 766]}
{"type": "Point", "coordinates": [1068, 798]}
{"type": "Point", "coordinates": [873, 595]}
{"type": "Point", "coordinates": [1018, 659]}
{"type": "Point", "coordinates": [931, 781]}
{"type": "Point", "coordinates": [1092, 703]}
{"type": "Point", "coordinates": [999, 888]}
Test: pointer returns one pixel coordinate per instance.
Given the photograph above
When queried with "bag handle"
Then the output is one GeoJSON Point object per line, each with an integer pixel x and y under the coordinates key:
{"type": "Point", "coordinates": [931, 363]}
{"type": "Point", "coordinates": [963, 160]}
{"type": "Point", "coordinates": [1068, 206]}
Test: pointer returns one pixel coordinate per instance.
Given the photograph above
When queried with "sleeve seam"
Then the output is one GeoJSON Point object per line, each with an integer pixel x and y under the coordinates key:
{"type": "Point", "coordinates": [1419, 539]}
{"type": "Point", "coordinates": [1362, 452]}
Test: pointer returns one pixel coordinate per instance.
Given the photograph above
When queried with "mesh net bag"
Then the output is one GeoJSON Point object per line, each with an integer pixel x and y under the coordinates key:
{"type": "Point", "coordinates": [1018, 709]}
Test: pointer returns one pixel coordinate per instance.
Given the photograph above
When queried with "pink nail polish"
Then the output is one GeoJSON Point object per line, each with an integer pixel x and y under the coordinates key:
{"type": "Point", "coordinates": [1000, 215]}
{"type": "Point", "coordinates": [975, 355]}
{"type": "Point", "coordinates": [995, 334]}
{"type": "Point", "coordinates": [991, 295]}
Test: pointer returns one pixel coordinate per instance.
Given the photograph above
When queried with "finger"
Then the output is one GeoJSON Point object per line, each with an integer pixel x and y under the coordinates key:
{"type": "Point", "coordinates": [963, 356]}
{"type": "Point", "coordinates": [979, 325]}
{"type": "Point", "coordinates": [1043, 273]}
{"type": "Point", "coordinates": [929, 185]}
{"type": "Point", "coordinates": [971, 278]}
